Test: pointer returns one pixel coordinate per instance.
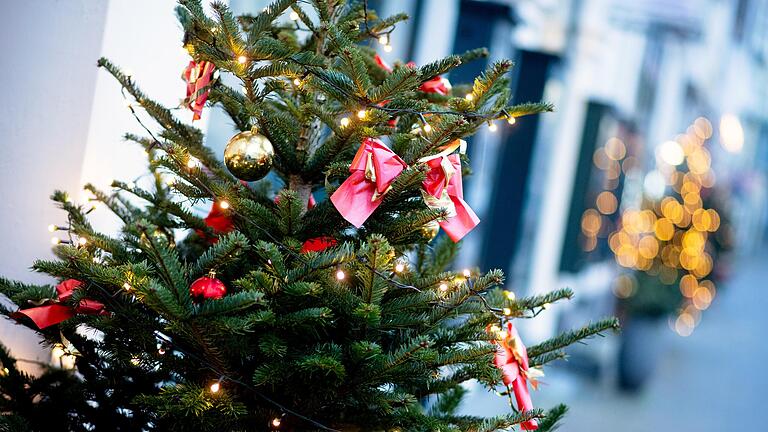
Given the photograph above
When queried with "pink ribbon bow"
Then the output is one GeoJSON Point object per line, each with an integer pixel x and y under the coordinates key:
{"type": "Point", "coordinates": [198, 77]}
{"type": "Point", "coordinates": [442, 188]}
{"type": "Point", "coordinates": [373, 169]}
{"type": "Point", "coordinates": [512, 358]}
{"type": "Point", "coordinates": [53, 312]}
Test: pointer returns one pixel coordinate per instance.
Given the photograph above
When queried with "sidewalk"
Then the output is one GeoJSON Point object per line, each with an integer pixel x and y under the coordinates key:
{"type": "Point", "coordinates": [713, 380]}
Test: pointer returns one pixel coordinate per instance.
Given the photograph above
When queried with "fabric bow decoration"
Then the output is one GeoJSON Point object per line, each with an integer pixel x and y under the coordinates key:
{"type": "Point", "coordinates": [198, 77]}
{"type": "Point", "coordinates": [373, 169]}
{"type": "Point", "coordinates": [512, 359]}
{"type": "Point", "coordinates": [442, 188]}
{"type": "Point", "coordinates": [53, 312]}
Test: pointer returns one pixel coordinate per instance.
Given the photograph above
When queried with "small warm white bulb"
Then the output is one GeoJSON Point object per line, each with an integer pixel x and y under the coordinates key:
{"type": "Point", "coordinates": [387, 48]}
{"type": "Point", "coordinates": [507, 311]}
{"type": "Point", "coordinates": [242, 59]}
{"type": "Point", "coordinates": [192, 162]}
{"type": "Point", "coordinates": [58, 351]}
{"type": "Point", "coordinates": [443, 287]}
{"type": "Point", "coordinates": [224, 204]}
{"type": "Point", "coordinates": [127, 286]}
{"type": "Point", "coordinates": [469, 96]}
{"type": "Point", "coordinates": [545, 306]}
{"type": "Point", "coordinates": [55, 240]}
{"type": "Point", "coordinates": [466, 273]}
{"type": "Point", "coordinates": [492, 127]}
{"type": "Point", "coordinates": [135, 361]}
{"type": "Point", "coordinates": [52, 228]}
{"type": "Point", "coordinates": [399, 267]}
{"type": "Point", "coordinates": [361, 114]}
{"type": "Point", "coordinates": [294, 16]}
{"type": "Point", "coordinates": [82, 241]}
{"type": "Point", "coordinates": [215, 387]}
{"type": "Point", "coordinates": [427, 128]}
{"type": "Point", "coordinates": [384, 39]}
{"type": "Point", "coordinates": [511, 120]}
{"type": "Point", "coordinates": [340, 275]}
{"type": "Point", "coordinates": [296, 81]}
{"type": "Point", "coordinates": [510, 295]}
{"type": "Point", "coordinates": [276, 421]}
{"type": "Point", "coordinates": [344, 121]}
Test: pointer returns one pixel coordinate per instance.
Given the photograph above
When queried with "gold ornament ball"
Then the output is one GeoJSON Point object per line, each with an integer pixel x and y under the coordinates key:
{"type": "Point", "coordinates": [249, 156]}
{"type": "Point", "coordinates": [430, 230]}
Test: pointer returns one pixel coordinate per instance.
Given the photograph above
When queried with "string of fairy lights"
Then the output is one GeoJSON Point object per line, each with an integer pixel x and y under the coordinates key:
{"type": "Point", "coordinates": [400, 266]}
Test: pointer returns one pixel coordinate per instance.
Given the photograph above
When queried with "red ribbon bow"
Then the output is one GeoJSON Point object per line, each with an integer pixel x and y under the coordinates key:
{"type": "Point", "coordinates": [373, 169]}
{"type": "Point", "coordinates": [219, 221]}
{"type": "Point", "coordinates": [512, 358]}
{"type": "Point", "coordinates": [54, 312]}
{"type": "Point", "coordinates": [198, 77]}
{"type": "Point", "coordinates": [443, 189]}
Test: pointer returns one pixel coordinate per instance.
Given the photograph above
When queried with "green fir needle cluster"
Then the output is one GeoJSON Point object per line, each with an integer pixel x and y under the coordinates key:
{"type": "Point", "coordinates": [292, 346]}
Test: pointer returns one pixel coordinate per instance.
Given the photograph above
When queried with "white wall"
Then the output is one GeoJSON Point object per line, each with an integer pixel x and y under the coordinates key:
{"type": "Point", "coordinates": [62, 119]}
{"type": "Point", "coordinates": [49, 69]}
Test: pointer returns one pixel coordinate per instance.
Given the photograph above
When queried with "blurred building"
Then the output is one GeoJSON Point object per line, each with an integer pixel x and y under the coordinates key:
{"type": "Point", "coordinates": [640, 72]}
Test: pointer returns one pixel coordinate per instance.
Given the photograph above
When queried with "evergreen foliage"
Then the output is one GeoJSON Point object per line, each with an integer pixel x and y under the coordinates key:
{"type": "Point", "coordinates": [377, 350]}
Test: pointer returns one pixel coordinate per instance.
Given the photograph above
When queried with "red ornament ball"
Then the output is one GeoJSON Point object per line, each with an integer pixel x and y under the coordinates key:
{"type": "Point", "coordinates": [208, 287]}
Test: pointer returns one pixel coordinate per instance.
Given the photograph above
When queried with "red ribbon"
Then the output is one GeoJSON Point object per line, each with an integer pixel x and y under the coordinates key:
{"type": "Point", "coordinates": [54, 312]}
{"type": "Point", "coordinates": [219, 221]}
{"type": "Point", "coordinates": [373, 169]}
{"type": "Point", "coordinates": [443, 189]}
{"type": "Point", "coordinates": [198, 77]}
{"type": "Point", "coordinates": [318, 244]}
{"type": "Point", "coordinates": [512, 359]}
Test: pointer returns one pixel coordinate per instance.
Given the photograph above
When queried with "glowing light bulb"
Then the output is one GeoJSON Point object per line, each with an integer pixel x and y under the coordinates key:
{"type": "Point", "coordinates": [492, 127]}
{"type": "Point", "coordinates": [296, 82]}
{"type": "Point", "coordinates": [507, 311]}
{"type": "Point", "coordinates": [545, 306]}
{"type": "Point", "coordinates": [361, 114]}
{"type": "Point", "coordinates": [399, 267]}
{"type": "Point", "coordinates": [128, 73]}
{"type": "Point", "coordinates": [170, 180]}
{"type": "Point", "coordinates": [127, 286]}
{"type": "Point", "coordinates": [276, 422]}
{"type": "Point", "coordinates": [224, 204]}
{"type": "Point", "coordinates": [466, 273]}
{"type": "Point", "coordinates": [344, 121]}
{"type": "Point", "coordinates": [127, 103]}
{"type": "Point", "coordinates": [509, 295]}
{"type": "Point", "coordinates": [242, 59]}
{"type": "Point", "coordinates": [294, 16]}
{"type": "Point", "coordinates": [511, 120]}
{"type": "Point", "coordinates": [443, 287]}
{"type": "Point", "coordinates": [469, 97]}
{"type": "Point", "coordinates": [340, 275]}
{"type": "Point", "coordinates": [191, 162]}
{"type": "Point", "coordinates": [52, 228]}
{"type": "Point", "coordinates": [130, 185]}
{"type": "Point", "coordinates": [55, 240]}
{"type": "Point", "coordinates": [427, 128]}
{"type": "Point", "coordinates": [215, 387]}
{"type": "Point", "coordinates": [135, 361]}
{"type": "Point", "coordinates": [495, 329]}
{"type": "Point", "coordinates": [731, 133]}
{"type": "Point", "coordinates": [387, 48]}
{"type": "Point", "coordinates": [58, 351]}
{"type": "Point", "coordinates": [671, 152]}
{"type": "Point", "coordinates": [82, 241]}
{"type": "Point", "coordinates": [384, 39]}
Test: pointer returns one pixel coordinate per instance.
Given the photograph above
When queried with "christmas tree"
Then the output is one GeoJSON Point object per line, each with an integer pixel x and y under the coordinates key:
{"type": "Point", "coordinates": [279, 311]}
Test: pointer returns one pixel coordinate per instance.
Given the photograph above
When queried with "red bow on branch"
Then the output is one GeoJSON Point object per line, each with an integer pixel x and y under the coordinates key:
{"type": "Point", "coordinates": [442, 188]}
{"type": "Point", "coordinates": [373, 169]}
{"type": "Point", "coordinates": [219, 221]}
{"type": "Point", "coordinates": [198, 77]}
{"type": "Point", "coordinates": [53, 312]}
{"type": "Point", "coordinates": [512, 358]}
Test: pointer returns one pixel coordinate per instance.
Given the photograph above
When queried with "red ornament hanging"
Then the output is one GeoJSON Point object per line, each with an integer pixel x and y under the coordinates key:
{"type": "Point", "coordinates": [208, 287]}
{"type": "Point", "coordinates": [318, 244]}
